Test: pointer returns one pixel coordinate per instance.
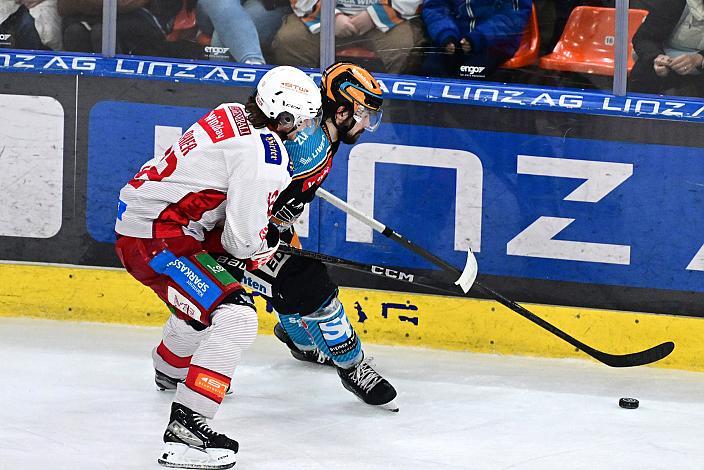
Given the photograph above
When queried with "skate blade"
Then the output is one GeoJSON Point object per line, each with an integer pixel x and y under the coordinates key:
{"type": "Point", "coordinates": [391, 406]}
{"type": "Point", "coordinates": [175, 455]}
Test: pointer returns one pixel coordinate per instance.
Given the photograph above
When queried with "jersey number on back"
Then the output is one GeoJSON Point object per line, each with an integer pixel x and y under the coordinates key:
{"type": "Point", "coordinates": [165, 167]}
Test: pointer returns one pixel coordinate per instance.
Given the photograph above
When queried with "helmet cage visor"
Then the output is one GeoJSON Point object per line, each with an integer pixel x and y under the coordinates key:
{"type": "Point", "coordinates": [366, 104]}
{"type": "Point", "coordinates": [361, 114]}
{"type": "Point", "coordinates": [308, 125]}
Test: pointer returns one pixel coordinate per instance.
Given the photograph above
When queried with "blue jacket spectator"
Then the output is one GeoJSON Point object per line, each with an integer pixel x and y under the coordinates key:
{"type": "Point", "coordinates": [483, 33]}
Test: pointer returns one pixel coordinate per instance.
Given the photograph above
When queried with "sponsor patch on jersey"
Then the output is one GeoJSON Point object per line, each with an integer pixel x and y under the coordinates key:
{"type": "Point", "coordinates": [241, 123]}
{"type": "Point", "coordinates": [273, 266]}
{"type": "Point", "coordinates": [272, 151]}
{"type": "Point", "coordinates": [318, 178]}
{"type": "Point", "coordinates": [256, 284]}
{"type": "Point", "coordinates": [217, 125]}
{"type": "Point", "coordinates": [181, 303]}
{"type": "Point", "coordinates": [188, 276]}
{"type": "Point", "coordinates": [214, 268]}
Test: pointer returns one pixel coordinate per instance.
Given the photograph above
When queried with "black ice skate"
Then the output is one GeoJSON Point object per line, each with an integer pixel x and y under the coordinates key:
{"type": "Point", "coordinates": [315, 356]}
{"type": "Point", "coordinates": [368, 385]}
{"type": "Point", "coordinates": [164, 382]}
{"type": "Point", "coordinates": [190, 443]}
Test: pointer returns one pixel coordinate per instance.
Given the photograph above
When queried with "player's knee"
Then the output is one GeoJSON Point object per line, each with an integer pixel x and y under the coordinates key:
{"type": "Point", "coordinates": [303, 286]}
{"type": "Point", "coordinates": [249, 324]}
{"type": "Point", "coordinates": [331, 307]}
{"type": "Point", "coordinates": [237, 318]}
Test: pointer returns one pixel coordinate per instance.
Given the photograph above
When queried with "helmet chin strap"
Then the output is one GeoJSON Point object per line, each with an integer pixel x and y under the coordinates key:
{"type": "Point", "coordinates": [288, 134]}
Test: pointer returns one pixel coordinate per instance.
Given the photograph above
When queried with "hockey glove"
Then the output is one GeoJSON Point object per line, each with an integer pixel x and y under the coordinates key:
{"type": "Point", "coordinates": [290, 237]}
{"type": "Point", "coordinates": [289, 213]}
{"type": "Point", "coordinates": [261, 257]}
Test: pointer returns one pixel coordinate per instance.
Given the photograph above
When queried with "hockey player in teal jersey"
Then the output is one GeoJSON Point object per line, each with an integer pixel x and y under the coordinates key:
{"type": "Point", "coordinates": [313, 322]}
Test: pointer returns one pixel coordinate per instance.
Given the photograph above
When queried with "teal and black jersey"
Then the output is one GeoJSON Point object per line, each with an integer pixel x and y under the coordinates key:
{"type": "Point", "coordinates": [311, 157]}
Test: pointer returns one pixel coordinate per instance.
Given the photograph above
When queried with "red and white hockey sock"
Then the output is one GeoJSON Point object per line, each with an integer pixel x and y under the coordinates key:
{"type": "Point", "coordinates": [233, 330]}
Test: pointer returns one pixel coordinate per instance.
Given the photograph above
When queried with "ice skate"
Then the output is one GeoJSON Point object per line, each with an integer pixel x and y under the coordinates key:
{"type": "Point", "coordinates": [315, 356]}
{"type": "Point", "coordinates": [190, 443]}
{"type": "Point", "coordinates": [368, 385]}
{"type": "Point", "coordinates": [164, 382]}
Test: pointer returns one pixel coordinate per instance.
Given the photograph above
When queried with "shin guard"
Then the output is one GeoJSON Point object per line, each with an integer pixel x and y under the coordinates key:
{"type": "Point", "coordinates": [293, 327]}
{"type": "Point", "coordinates": [333, 334]}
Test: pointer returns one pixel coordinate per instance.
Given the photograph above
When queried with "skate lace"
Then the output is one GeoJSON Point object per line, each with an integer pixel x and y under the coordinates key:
{"type": "Point", "coordinates": [203, 428]}
{"type": "Point", "coordinates": [365, 376]}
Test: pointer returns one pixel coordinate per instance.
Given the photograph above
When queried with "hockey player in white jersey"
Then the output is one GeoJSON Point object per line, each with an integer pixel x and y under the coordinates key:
{"type": "Point", "coordinates": [213, 191]}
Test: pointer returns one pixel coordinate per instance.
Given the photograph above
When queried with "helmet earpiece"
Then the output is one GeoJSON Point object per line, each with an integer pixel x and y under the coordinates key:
{"type": "Point", "coordinates": [285, 119]}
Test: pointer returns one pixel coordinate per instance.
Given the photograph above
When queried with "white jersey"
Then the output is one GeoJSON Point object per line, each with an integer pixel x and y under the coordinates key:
{"type": "Point", "coordinates": [221, 171]}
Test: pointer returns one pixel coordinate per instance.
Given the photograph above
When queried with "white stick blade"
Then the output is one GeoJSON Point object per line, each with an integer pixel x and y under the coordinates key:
{"type": "Point", "coordinates": [469, 274]}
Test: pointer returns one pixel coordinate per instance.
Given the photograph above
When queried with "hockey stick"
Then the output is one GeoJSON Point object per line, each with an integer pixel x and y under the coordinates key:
{"type": "Point", "coordinates": [614, 360]}
{"type": "Point", "coordinates": [466, 277]}
{"type": "Point", "coordinates": [432, 280]}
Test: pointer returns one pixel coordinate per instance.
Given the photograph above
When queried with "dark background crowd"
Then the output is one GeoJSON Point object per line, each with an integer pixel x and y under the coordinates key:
{"type": "Point", "coordinates": [565, 43]}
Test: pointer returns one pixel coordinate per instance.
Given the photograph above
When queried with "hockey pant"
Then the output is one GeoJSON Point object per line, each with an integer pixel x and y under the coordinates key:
{"type": "Point", "coordinates": [305, 298]}
{"type": "Point", "coordinates": [216, 317]}
{"type": "Point", "coordinates": [206, 359]}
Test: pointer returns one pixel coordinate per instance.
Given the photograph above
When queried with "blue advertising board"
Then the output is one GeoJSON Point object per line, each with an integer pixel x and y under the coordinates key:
{"type": "Point", "coordinates": [531, 206]}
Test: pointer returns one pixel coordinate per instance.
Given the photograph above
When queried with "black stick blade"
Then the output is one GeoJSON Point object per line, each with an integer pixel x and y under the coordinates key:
{"type": "Point", "coordinates": [640, 358]}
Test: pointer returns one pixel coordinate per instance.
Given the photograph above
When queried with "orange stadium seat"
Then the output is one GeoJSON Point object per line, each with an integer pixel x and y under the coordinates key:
{"type": "Point", "coordinates": [527, 52]}
{"type": "Point", "coordinates": [587, 43]}
{"type": "Point", "coordinates": [184, 23]}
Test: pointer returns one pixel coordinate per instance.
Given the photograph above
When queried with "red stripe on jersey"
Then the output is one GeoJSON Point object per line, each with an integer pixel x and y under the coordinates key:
{"type": "Point", "coordinates": [217, 125]}
{"type": "Point", "coordinates": [171, 358]}
{"type": "Point", "coordinates": [165, 167]}
{"type": "Point", "coordinates": [240, 119]}
{"type": "Point", "coordinates": [179, 214]}
{"type": "Point", "coordinates": [208, 383]}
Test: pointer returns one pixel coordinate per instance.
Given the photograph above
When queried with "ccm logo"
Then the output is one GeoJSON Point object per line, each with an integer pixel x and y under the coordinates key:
{"type": "Point", "coordinates": [471, 69]}
{"type": "Point", "coordinates": [216, 50]}
{"type": "Point", "coordinates": [392, 274]}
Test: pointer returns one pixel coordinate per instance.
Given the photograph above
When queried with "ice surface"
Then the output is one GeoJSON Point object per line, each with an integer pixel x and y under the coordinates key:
{"type": "Point", "coordinates": [81, 396]}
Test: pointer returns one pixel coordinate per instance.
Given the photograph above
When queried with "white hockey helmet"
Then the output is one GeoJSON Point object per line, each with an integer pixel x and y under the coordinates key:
{"type": "Point", "coordinates": [290, 97]}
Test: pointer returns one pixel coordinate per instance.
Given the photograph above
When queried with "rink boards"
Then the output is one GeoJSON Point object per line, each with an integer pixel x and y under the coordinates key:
{"type": "Point", "coordinates": [567, 197]}
{"type": "Point", "coordinates": [381, 317]}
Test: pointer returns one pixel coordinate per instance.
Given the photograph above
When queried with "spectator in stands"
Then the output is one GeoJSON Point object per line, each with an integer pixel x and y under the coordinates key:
{"type": "Point", "coordinates": [481, 33]}
{"type": "Point", "coordinates": [669, 47]}
{"type": "Point", "coordinates": [141, 25]}
{"type": "Point", "coordinates": [245, 27]}
{"type": "Point", "coordinates": [389, 28]}
{"type": "Point", "coordinates": [30, 24]}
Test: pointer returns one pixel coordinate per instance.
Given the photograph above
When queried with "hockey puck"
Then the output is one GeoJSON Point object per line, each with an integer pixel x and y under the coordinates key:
{"type": "Point", "coordinates": [629, 403]}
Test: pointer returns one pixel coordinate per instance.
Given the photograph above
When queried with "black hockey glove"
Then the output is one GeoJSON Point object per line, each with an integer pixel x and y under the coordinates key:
{"type": "Point", "coordinates": [289, 213]}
